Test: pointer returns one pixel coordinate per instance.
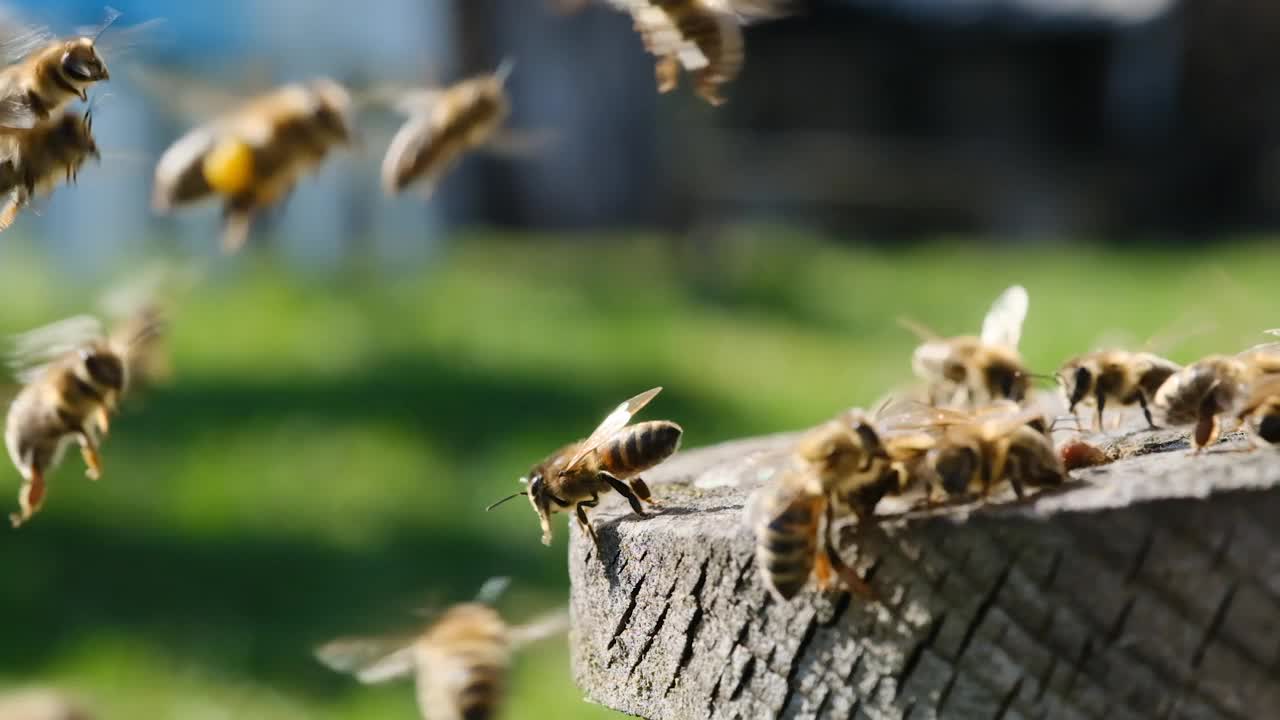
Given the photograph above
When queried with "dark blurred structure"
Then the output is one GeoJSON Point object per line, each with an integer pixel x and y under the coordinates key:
{"type": "Point", "coordinates": [1015, 117]}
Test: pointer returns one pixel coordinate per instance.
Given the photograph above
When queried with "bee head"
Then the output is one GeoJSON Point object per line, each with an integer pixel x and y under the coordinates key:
{"type": "Point", "coordinates": [955, 466]}
{"type": "Point", "coordinates": [541, 498]}
{"type": "Point", "coordinates": [1076, 384]}
{"type": "Point", "coordinates": [104, 370]}
{"type": "Point", "coordinates": [82, 64]}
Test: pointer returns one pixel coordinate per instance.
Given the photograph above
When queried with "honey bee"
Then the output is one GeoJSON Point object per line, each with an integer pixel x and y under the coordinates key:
{"type": "Point", "coordinates": [841, 462]}
{"type": "Point", "coordinates": [975, 370]}
{"type": "Point", "coordinates": [701, 37]}
{"type": "Point", "coordinates": [974, 452]}
{"type": "Point", "coordinates": [253, 157]}
{"type": "Point", "coordinates": [442, 127]}
{"type": "Point", "coordinates": [140, 308]}
{"type": "Point", "coordinates": [1119, 375]}
{"type": "Point", "coordinates": [611, 458]}
{"type": "Point", "coordinates": [1260, 411]}
{"type": "Point", "coordinates": [45, 73]}
{"type": "Point", "coordinates": [36, 161]}
{"type": "Point", "coordinates": [41, 704]}
{"type": "Point", "coordinates": [1198, 393]}
{"type": "Point", "coordinates": [73, 377]}
{"type": "Point", "coordinates": [460, 660]}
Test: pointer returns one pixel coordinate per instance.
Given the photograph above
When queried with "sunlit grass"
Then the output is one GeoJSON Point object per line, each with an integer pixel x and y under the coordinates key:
{"type": "Point", "coordinates": [320, 464]}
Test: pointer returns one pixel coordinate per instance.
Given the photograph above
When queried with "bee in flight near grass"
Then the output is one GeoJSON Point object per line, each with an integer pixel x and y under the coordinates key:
{"type": "Point", "coordinates": [73, 376]}
{"type": "Point", "coordinates": [700, 37]}
{"type": "Point", "coordinates": [971, 370]}
{"type": "Point", "coordinates": [460, 660]}
{"type": "Point", "coordinates": [443, 126]}
{"type": "Point", "coordinates": [38, 160]}
{"type": "Point", "coordinates": [611, 458]}
{"type": "Point", "coordinates": [254, 156]}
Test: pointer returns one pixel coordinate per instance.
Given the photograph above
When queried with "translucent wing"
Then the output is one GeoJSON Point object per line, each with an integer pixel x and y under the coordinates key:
{"type": "Point", "coordinates": [921, 331]}
{"type": "Point", "coordinates": [540, 628]}
{"type": "Point", "coordinates": [995, 427]}
{"type": "Point", "coordinates": [749, 11]}
{"type": "Point", "coordinates": [19, 39]}
{"type": "Point", "coordinates": [616, 420]}
{"type": "Point", "coordinates": [33, 350]}
{"type": "Point", "coordinates": [1003, 324]}
{"type": "Point", "coordinates": [371, 660]}
{"type": "Point", "coordinates": [492, 589]}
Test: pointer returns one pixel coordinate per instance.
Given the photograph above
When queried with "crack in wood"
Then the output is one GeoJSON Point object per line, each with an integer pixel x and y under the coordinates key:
{"type": "Point", "coordinates": [695, 625]}
{"type": "Point", "coordinates": [625, 620]}
{"type": "Point", "coordinates": [1007, 701]}
{"type": "Point", "coordinates": [1215, 624]}
{"type": "Point", "coordinates": [793, 670]}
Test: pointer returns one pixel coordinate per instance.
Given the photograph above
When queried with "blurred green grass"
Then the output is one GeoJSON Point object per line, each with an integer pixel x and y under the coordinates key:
{"type": "Point", "coordinates": [321, 463]}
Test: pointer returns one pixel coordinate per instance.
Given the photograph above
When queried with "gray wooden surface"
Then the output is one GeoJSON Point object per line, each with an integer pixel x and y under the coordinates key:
{"type": "Point", "coordinates": [1150, 588]}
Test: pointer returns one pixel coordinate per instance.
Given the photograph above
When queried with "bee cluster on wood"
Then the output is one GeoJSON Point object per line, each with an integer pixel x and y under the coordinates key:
{"type": "Point", "coordinates": [974, 432]}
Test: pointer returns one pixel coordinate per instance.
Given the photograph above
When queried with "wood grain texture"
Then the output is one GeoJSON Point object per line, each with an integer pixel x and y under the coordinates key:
{"type": "Point", "coordinates": [1149, 588]}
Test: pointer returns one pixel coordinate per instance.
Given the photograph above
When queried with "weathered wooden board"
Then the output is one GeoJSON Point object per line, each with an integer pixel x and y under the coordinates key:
{"type": "Point", "coordinates": [1148, 589]}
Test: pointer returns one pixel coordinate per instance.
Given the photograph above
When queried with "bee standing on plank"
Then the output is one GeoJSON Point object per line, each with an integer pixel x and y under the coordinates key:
{"type": "Point", "coordinates": [38, 160]}
{"type": "Point", "coordinates": [1198, 393]}
{"type": "Point", "coordinates": [1260, 411]}
{"type": "Point", "coordinates": [840, 463]}
{"type": "Point", "coordinates": [73, 378]}
{"type": "Point", "coordinates": [700, 37]}
{"type": "Point", "coordinates": [611, 458]}
{"type": "Point", "coordinates": [460, 660]}
{"type": "Point", "coordinates": [1119, 375]}
{"type": "Point", "coordinates": [253, 157]}
{"type": "Point", "coordinates": [974, 370]}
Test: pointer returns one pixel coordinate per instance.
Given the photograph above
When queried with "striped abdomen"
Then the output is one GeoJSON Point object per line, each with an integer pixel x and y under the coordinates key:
{"type": "Point", "coordinates": [479, 697]}
{"type": "Point", "coordinates": [1184, 397]}
{"type": "Point", "coordinates": [639, 447]}
{"type": "Point", "coordinates": [786, 543]}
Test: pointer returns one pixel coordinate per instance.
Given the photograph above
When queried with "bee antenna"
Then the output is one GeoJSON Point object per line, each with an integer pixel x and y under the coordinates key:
{"type": "Point", "coordinates": [504, 69]}
{"type": "Point", "coordinates": [509, 497]}
{"type": "Point", "coordinates": [112, 15]}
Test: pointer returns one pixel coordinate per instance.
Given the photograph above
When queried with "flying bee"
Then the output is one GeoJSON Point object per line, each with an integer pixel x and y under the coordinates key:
{"type": "Point", "coordinates": [1198, 393]}
{"type": "Point", "coordinates": [611, 458]}
{"type": "Point", "coordinates": [38, 160]}
{"type": "Point", "coordinates": [44, 73]}
{"type": "Point", "coordinates": [442, 127]}
{"type": "Point", "coordinates": [254, 156]}
{"type": "Point", "coordinates": [73, 377]}
{"type": "Point", "coordinates": [977, 369]}
{"type": "Point", "coordinates": [841, 461]}
{"type": "Point", "coordinates": [701, 37]}
{"type": "Point", "coordinates": [1119, 375]}
{"type": "Point", "coordinates": [461, 660]}
{"type": "Point", "coordinates": [1260, 411]}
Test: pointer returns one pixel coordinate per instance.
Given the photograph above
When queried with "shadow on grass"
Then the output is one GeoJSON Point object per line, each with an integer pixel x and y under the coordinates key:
{"type": "Point", "coordinates": [249, 605]}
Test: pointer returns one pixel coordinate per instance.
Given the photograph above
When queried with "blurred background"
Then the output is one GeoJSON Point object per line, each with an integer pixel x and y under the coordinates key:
{"type": "Point", "coordinates": [355, 387]}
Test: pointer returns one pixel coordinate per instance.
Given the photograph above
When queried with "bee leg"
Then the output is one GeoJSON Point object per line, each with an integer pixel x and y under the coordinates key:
{"type": "Point", "coordinates": [89, 450]}
{"type": "Point", "coordinates": [1146, 412]}
{"type": "Point", "coordinates": [585, 524]}
{"type": "Point", "coordinates": [831, 558]}
{"type": "Point", "coordinates": [667, 73]}
{"type": "Point", "coordinates": [624, 491]}
{"type": "Point", "coordinates": [1101, 400]}
{"type": "Point", "coordinates": [641, 489]}
{"type": "Point", "coordinates": [30, 498]}
{"type": "Point", "coordinates": [1206, 433]}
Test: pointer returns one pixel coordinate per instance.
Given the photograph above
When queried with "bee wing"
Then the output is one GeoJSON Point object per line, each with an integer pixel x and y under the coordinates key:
{"type": "Point", "coordinates": [779, 492]}
{"type": "Point", "coordinates": [18, 39]}
{"type": "Point", "coordinates": [1003, 323]}
{"type": "Point", "coordinates": [749, 11]}
{"type": "Point", "coordinates": [371, 660]}
{"type": "Point", "coordinates": [615, 421]}
{"type": "Point", "coordinates": [915, 415]}
{"type": "Point", "coordinates": [521, 143]}
{"type": "Point", "coordinates": [994, 427]}
{"type": "Point", "coordinates": [35, 349]}
{"type": "Point", "coordinates": [179, 176]}
{"type": "Point", "coordinates": [193, 98]}
{"type": "Point", "coordinates": [542, 627]}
